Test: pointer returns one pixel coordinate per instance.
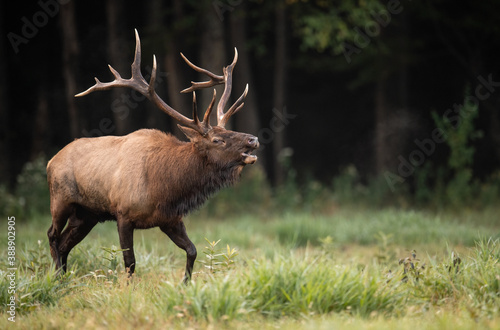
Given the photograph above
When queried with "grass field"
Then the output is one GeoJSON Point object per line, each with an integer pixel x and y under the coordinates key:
{"type": "Point", "coordinates": [356, 269]}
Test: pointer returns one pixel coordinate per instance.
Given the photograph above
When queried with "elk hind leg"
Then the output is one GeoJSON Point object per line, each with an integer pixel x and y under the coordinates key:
{"type": "Point", "coordinates": [177, 233]}
{"type": "Point", "coordinates": [60, 216]}
{"type": "Point", "coordinates": [79, 226]}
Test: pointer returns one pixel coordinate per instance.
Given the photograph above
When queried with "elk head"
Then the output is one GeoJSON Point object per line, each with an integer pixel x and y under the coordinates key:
{"type": "Point", "coordinates": [217, 144]}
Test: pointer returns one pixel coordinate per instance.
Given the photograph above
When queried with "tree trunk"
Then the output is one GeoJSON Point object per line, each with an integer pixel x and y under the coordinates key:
{"type": "Point", "coordinates": [279, 90]}
{"type": "Point", "coordinates": [247, 120]}
{"type": "Point", "coordinates": [176, 81]}
{"type": "Point", "coordinates": [212, 52]}
{"type": "Point", "coordinates": [156, 34]}
{"type": "Point", "coordinates": [41, 124]}
{"type": "Point", "coordinates": [395, 126]}
{"type": "Point", "coordinates": [381, 114]}
{"type": "Point", "coordinates": [404, 52]}
{"type": "Point", "coordinates": [178, 101]}
{"type": "Point", "coordinates": [117, 53]}
{"type": "Point", "coordinates": [71, 52]}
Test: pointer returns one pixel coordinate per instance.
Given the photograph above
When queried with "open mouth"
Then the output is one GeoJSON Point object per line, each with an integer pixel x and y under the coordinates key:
{"type": "Point", "coordinates": [248, 158]}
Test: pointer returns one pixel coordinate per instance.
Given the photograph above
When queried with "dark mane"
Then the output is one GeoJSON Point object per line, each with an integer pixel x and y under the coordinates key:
{"type": "Point", "coordinates": [187, 185]}
{"type": "Point", "coordinates": [198, 189]}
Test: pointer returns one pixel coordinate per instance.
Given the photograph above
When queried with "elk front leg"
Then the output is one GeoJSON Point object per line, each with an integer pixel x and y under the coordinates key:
{"type": "Point", "coordinates": [177, 233]}
{"type": "Point", "coordinates": [126, 235]}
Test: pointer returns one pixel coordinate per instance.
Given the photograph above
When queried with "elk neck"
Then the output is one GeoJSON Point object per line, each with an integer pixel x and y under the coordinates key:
{"type": "Point", "coordinates": [184, 178]}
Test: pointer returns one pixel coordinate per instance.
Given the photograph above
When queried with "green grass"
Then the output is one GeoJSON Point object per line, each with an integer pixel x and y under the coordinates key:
{"type": "Point", "coordinates": [295, 271]}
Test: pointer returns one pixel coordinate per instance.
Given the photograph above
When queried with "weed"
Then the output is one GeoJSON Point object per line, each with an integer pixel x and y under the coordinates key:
{"type": "Point", "coordinates": [411, 267]}
{"type": "Point", "coordinates": [327, 244]}
{"type": "Point", "coordinates": [112, 257]}
{"type": "Point", "coordinates": [217, 260]}
{"type": "Point", "coordinates": [385, 253]}
{"type": "Point", "coordinates": [36, 260]}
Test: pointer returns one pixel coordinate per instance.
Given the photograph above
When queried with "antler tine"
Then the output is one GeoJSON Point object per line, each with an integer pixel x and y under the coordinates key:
{"type": "Point", "coordinates": [206, 118]}
{"type": "Point", "coordinates": [195, 109]}
{"type": "Point", "coordinates": [222, 117]}
{"type": "Point", "coordinates": [235, 58]}
{"type": "Point", "coordinates": [214, 79]}
{"type": "Point", "coordinates": [136, 64]}
{"type": "Point", "coordinates": [234, 108]}
{"type": "Point", "coordinates": [227, 80]}
{"type": "Point", "coordinates": [138, 83]}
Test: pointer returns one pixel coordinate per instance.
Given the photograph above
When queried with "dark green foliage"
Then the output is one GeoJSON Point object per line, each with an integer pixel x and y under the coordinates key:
{"type": "Point", "coordinates": [447, 186]}
{"type": "Point", "coordinates": [459, 131]}
{"type": "Point", "coordinates": [31, 196]}
{"type": "Point", "coordinates": [330, 27]}
{"type": "Point", "coordinates": [32, 187]}
{"type": "Point", "coordinates": [9, 203]}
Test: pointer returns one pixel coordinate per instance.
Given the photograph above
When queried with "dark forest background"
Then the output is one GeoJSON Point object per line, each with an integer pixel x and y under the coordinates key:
{"type": "Point", "coordinates": [345, 93]}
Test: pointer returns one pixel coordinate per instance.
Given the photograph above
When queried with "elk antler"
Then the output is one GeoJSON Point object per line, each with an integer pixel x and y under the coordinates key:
{"type": "Point", "coordinates": [138, 83]}
{"type": "Point", "coordinates": [227, 79]}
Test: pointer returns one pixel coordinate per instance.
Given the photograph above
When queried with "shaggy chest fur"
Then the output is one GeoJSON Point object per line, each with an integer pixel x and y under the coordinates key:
{"type": "Point", "coordinates": [196, 189]}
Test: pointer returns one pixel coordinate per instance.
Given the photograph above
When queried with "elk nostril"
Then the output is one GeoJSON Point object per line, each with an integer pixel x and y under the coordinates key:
{"type": "Point", "coordinates": [253, 142]}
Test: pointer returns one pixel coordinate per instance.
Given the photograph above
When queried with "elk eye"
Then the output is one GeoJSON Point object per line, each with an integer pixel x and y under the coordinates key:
{"type": "Point", "coordinates": [217, 140]}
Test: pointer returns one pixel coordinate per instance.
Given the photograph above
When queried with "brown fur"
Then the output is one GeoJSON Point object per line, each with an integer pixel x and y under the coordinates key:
{"type": "Point", "coordinates": [142, 180]}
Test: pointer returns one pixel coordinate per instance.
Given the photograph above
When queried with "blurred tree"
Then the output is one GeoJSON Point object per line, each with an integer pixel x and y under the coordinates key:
{"type": "Point", "coordinates": [118, 56]}
{"type": "Point", "coordinates": [155, 42]}
{"type": "Point", "coordinates": [41, 122]}
{"type": "Point", "coordinates": [212, 50]}
{"type": "Point", "coordinates": [357, 34]}
{"type": "Point", "coordinates": [247, 120]}
{"type": "Point", "coordinates": [470, 34]}
{"type": "Point", "coordinates": [71, 52]}
{"type": "Point", "coordinates": [175, 33]}
{"type": "Point", "coordinates": [372, 46]}
{"type": "Point", "coordinates": [279, 105]}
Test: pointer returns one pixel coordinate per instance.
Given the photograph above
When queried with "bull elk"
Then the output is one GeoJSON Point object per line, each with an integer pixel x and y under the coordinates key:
{"type": "Point", "coordinates": [147, 178]}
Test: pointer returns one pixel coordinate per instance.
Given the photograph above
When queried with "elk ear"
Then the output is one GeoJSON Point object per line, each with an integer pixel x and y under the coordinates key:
{"type": "Point", "coordinates": [190, 133]}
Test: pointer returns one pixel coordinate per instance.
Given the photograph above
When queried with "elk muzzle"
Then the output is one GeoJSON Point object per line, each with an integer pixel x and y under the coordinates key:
{"type": "Point", "coordinates": [252, 144]}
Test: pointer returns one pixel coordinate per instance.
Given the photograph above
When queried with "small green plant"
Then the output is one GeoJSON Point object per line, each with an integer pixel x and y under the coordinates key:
{"type": "Point", "coordinates": [327, 242]}
{"type": "Point", "coordinates": [384, 254]}
{"type": "Point", "coordinates": [216, 259]}
{"type": "Point", "coordinates": [112, 257]}
{"type": "Point", "coordinates": [37, 260]}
